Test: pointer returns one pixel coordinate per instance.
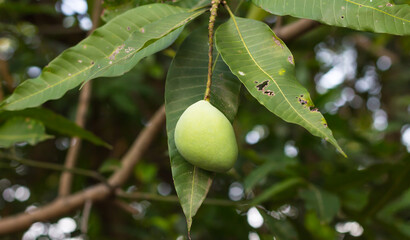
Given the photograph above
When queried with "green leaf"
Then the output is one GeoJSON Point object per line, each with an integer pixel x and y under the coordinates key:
{"type": "Point", "coordinates": [317, 228]}
{"type": "Point", "coordinates": [376, 15]}
{"type": "Point", "coordinates": [21, 129]}
{"type": "Point", "coordinates": [278, 164]}
{"type": "Point", "coordinates": [185, 85]}
{"type": "Point", "coordinates": [277, 188]}
{"type": "Point", "coordinates": [111, 50]}
{"type": "Point", "coordinates": [55, 122]}
{"type": "Point", "coordinates": [324, 203]}
{"type": "Point", "coordinates": [281, 228]}
{"type": "Point", "coordinates": [266, 67]}
{"type": "Point", "coordinates": [110, 165]}
{"type": "Point", "coordinates": [191, 3]}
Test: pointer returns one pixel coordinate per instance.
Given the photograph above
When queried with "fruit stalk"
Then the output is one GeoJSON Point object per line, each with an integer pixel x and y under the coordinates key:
{"type": "Point", "coordinates": [214, 9]}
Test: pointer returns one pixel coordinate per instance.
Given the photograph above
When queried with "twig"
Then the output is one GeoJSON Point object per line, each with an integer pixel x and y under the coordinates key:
{"type": "Point", "coordinates": [86, 215]}
{"type": "Point", "coordinates": [214, 10]}
{"type": "Point", "coordinates": [65, 205]}
{"type": "Point", "coordinates": [174, 198]}
{"type": "Point", "coordinates": [278, 24]}
{"type": "Point", "coordinates": [366, 44]}
{"type": "Point", "coordinates": [5, 73]}
{"type": "Point", "coordinates": [125, 206]}
{"type": "Point", "coordinates": [57, 167]}
{"type": "Point", "coordinates": [83, 103]}
{"type": "Point", "coordinates": [296, 29]}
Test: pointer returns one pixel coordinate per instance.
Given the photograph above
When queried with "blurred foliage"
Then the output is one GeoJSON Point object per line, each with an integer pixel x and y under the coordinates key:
{"type": "Point", "coordinates": [364, 196]}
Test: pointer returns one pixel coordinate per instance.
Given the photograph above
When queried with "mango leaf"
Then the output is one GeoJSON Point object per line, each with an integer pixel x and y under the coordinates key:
{"type": "Point", "coordinates": [281, 228]}
{"type": "Point", "coordinates": [185, 85]}
{"type": "Point", "coordinates": [111, 50]}
{"type": "Point", "coordinates": [325, 204]}
{"type": "Point", "coordinates": [277, 188]}
{"type": "Point", "coordinates": [368, 15]}
{"type": "Point", "coordinates": [114, 9]}
{"type": "Point", "coordinates": [266, 67]}
{"type": "Point", "coordinates": [55, 122]}
{"type": "Point", "coordinates": [19, 129]}
{"type": "Point", "coordinates": [191, 3]}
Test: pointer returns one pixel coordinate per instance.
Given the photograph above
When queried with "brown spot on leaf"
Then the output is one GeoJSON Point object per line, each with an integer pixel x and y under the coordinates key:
{"type": "Point", "coordinates": [314, 109]}
{"type": "Point", "coordinates": [269, 93]}
{"type": "Point", "coordinates": [277, 42]}
{"type": "Point", "coordinates": [290, 59]}
{"type": "Point", "coordinates": [116, 51]}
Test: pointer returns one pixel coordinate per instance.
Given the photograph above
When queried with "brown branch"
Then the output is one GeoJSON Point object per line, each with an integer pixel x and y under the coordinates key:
{"type": "Point", "coordinates": [66, 178]}
{"type": "Point", "coordinates": [125, 207]}
{"type": "Point", "coordinates": [5, 74]}
{"type": "Point", "coordinates": [65, 205]}
{"type": "Point", "coordinates": [86, 215]}
{"type": "Point", "coordinates": [365, 43]}
{"type": "Point", "coordinates": [296, 29]}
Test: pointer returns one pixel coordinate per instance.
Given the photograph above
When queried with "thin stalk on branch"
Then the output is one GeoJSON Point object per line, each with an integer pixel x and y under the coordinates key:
{"type": "Point", "coordinates": [212, 18]}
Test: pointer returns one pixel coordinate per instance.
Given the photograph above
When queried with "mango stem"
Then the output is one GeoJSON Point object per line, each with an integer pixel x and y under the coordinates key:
{"type": "Point", "coordinates": [214, 9]}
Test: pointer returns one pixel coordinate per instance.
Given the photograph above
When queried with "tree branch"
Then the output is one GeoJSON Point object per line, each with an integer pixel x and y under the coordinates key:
{"type": "Point", "coordinates": [296, 29]}
{"type": "Point", "coordinates": [66, 178]}
{"type": "Point", "coordinates": [57, 167]}
{"type": "Point", "coordinates": [65, 205]}
{"type": "Point", "coordinates": [5, 73]}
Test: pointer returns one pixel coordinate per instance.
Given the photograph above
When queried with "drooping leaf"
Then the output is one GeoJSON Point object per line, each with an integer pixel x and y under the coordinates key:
{"type": "Point", "coordinates": [19, 129]}
{"type": "Point", "coordinates": [368, 15]}
{"type": "Point", "coordinates": [266, 67]}
{"type": "Point", "coordinates": [185, 85]}
{"type": "Point", "coordinates": [325, 204]}
{"type": "Point", "coordinates": [111, 50]}
{"type": "Point", "coordinates": [277, 188]}
{"type": "Point", "coordinates": [55, 122]}
{"type": "Point", "coordinates": [281, 228]}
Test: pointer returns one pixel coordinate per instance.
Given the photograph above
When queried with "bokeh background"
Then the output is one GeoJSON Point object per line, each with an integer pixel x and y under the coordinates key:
{"type": "Point", "coordinates": [359, 80]}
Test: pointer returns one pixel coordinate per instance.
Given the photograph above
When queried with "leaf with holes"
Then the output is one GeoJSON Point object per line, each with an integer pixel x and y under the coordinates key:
{"type": "Point", "coordinates": [19, 129]}
{"type": "Point", "coordinates": [111, 50]}
{"type": "Point", "coordinates": [185, 85]}
{"type": "Point", "coordinates": [266, 67]}
{"type": "Point", "coordinates": [324, 203]}
{"type": "Point", "coordinates": [55, 122]}
{"type": "Point", "coordinates": [376, 15]}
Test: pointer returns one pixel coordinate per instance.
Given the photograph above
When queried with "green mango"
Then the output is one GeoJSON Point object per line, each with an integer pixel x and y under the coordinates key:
{"type": "Point", "coordinates": [205, 138]}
